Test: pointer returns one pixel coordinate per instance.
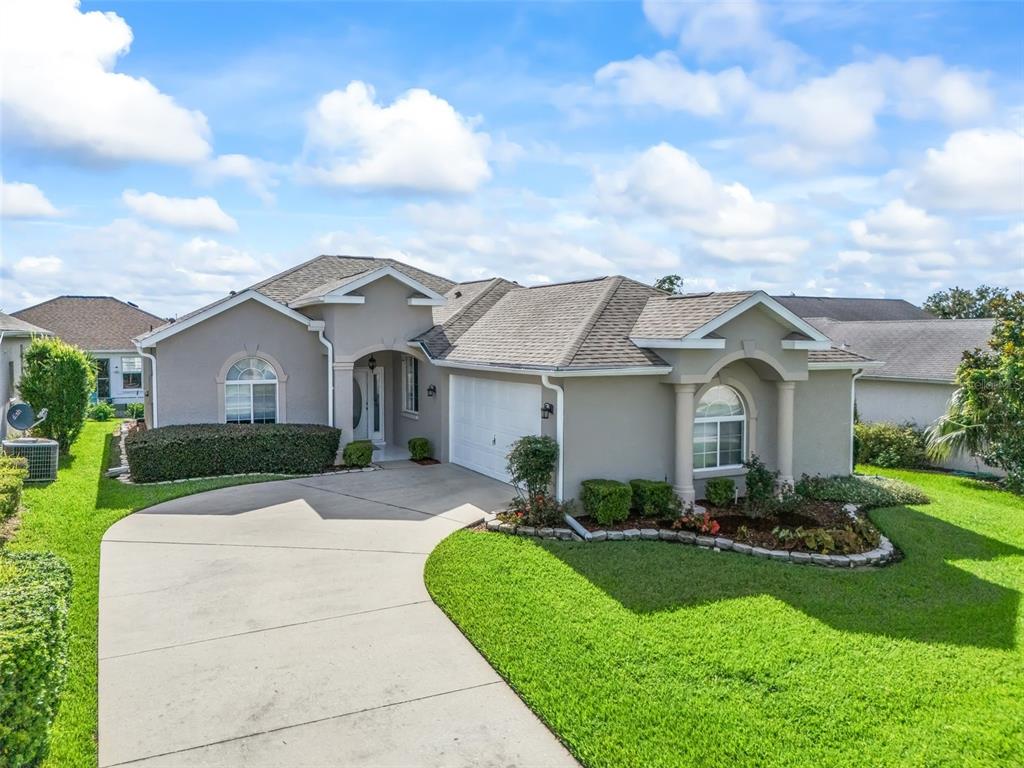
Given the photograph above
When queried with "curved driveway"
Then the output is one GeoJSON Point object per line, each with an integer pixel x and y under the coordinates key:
{"type": "Point", "coordinates": [287, 624]}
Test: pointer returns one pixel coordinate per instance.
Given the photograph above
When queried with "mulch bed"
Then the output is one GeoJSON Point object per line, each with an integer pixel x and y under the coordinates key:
{"type": "Point", "coordinates": [425, 462]}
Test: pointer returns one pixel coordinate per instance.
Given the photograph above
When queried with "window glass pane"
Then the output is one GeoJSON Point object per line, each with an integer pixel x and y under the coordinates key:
{"type": "Point", "coordinates": [264, 403]}
{"type": "Point", "coordinates": [131, 364]}
{"type": "Point", "coordinates": [131, 381]}
{"type": "Point", "coordinates": [236, 403]}
{"type": "Point", "coordinates": [252, 369]}
{"type": "Point", "coordinates": [705, 445]}
{"type": "Point", "coordinates": [731, 442]}
{"type": "Point", "coordinates": [719, 401]}
{"type": "Point", "coordinates": [411, 383]}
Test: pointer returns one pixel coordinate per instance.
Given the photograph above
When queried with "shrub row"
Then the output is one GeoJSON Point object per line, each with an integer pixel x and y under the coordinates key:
{"type": "Point", "coordinates": [358, 453]}
{"type": "Point", "coordinates": [884, 444]}
{"type": "Point", "coordinates": [609, 501]}
{"type": "Point", "coordinates": [204, 450]}
{"type": "Point", "coordinates": [13, 471]}
{"type": "Point", "coordinates": [867, 491]}
{"type": "Point", "coordinates": [35, 589]}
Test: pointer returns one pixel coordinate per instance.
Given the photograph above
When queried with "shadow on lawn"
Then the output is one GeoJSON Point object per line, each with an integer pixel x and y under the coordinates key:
{"type": "Point", "coordinates": [923, 598]}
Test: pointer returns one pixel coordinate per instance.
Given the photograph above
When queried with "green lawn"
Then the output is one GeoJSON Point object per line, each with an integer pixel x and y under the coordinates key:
{"type": "Point", "coordinates": [655, 654]}
{"type": "Point", "coordinates": [69, 517]}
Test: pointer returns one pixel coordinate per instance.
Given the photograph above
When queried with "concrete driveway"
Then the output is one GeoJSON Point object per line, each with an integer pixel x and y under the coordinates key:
{"type": "Point", "coordinates": [287, 624]}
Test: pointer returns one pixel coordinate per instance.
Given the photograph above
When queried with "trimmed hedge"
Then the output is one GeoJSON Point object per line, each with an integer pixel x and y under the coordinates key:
{"type": "Point", "coordinates": [867, 490]}
{"type": "Point", "coordinates": [358, 453]}
{"type": "Point", "coordinates": [206, 450]}
{"type": "Point", "coordinates": [607, 501]}
{"type": "Point", "coordinates": [13, 471]}
{"type": "Point", "coordinates": [35, 589]}
{"type": "Point", "coordinates": [885, 444]}
{"type": "Point", "coordinates": [720, 491]}
{"type": "Point", "coordinates": [654, 498]}
{"type": "Point", "coordinates": [419, 448]}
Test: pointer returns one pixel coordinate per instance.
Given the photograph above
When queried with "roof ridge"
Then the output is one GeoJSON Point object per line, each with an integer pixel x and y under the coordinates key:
{"type": "Point", "coordinates": [590, 320]}
{"type": "Point", "coordinates": [277, 276]}
{"type": "Point", "coordinates": [461, 311]}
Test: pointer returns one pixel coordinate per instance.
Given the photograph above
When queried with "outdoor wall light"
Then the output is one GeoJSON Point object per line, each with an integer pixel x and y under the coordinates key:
{"type": "Point", "coordinates": [431, 390]}
{"type": "Point", "coordinates": [371, 363]}
{"type": "Point", "coordinates": [547, 410]}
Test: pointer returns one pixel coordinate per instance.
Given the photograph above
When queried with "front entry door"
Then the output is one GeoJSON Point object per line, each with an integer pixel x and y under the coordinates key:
{"type": "Point", "coordinates": [368, 404]}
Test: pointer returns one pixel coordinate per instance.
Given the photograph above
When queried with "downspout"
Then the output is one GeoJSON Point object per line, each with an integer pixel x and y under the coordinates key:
{"type": "Point", "coordinates": [559, 431]}
{"type": "Point", "coordinates": [152, 360]}
{"type": "Point", "coordinates": [853, 407]}
{"type": "Point", "coordinates": [319, 326]}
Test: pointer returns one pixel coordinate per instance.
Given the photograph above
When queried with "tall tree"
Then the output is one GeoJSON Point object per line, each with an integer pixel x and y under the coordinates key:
{"type": "Point", "coordinates": [670, 283]}
{"type": "Point", "coordinates": [962, 303]}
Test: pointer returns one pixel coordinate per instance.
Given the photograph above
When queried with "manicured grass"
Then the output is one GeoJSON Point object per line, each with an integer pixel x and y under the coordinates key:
{"type": "Point", "coordinates": [654, 654]}
{"type": "Point", "coordinates": [69, 517]}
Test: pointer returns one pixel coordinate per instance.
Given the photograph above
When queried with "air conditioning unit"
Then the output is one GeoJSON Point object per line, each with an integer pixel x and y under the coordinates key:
{"type": "Point", "coordinates": [41, 455]}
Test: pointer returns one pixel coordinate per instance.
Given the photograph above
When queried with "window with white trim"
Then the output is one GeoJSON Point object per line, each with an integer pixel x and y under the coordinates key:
{"type": "Point", "coordinates": [410, 384]}
{"type": "Point", "coordinates": [250, 392]}
{"type": "Point", "coordinates": [131, 372]}
{"type": "Point", "coordinates": [719, 429]}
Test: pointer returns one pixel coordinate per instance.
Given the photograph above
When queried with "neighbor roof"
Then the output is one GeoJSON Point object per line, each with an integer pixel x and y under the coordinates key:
{"type": "Point", "coordinates": [92, 322]}
{"type": "Point", "coordinates": [839, 308]}
{"type": "Point", "coordinates": [12, 326]}
{"type": "Point", "coordinates": [927, 350]}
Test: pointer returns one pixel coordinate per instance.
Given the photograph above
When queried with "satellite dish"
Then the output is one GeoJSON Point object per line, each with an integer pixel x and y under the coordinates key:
{"type": "Point", "coordinates": [23, 418]}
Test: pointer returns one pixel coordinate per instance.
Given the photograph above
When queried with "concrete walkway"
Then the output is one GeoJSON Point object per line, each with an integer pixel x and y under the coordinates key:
{"type": "Point", "coordinates": [287, 624]}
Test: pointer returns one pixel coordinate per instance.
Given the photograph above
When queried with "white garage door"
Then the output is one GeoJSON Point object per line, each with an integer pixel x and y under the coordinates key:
{"type": "Point", "coordinates": [487, 416]}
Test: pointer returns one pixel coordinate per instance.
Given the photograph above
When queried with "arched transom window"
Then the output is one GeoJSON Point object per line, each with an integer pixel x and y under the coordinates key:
{"type": "Point", "coordinates": [719, 430]}
{"type": "Point", "coordinates": [250, 392]}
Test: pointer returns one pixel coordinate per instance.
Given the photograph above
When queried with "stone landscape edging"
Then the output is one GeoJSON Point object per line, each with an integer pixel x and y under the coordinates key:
{"type": "Point", "coordinates": [883, 554]}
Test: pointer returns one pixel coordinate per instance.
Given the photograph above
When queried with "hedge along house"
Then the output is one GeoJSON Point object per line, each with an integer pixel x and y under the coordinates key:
{"type": "Point", "coordinates": [632, 382]}
{"type": "Point", "coordinates": [105, 328]}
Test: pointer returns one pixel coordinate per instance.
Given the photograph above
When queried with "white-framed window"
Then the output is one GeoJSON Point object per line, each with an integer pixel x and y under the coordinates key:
{"type": "Point", "coordinates": [410, 384]}
{"type": "Point", "coordinates": [250, 392]}
{"type": "Point", "coordinates": [131, 372]}
{"type": "Point", "coordinates": [719, 429]}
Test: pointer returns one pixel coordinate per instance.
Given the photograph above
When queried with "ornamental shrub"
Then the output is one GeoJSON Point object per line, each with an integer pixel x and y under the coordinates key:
{"type": "Point", "coordinates": [531, 464]}
{"type": "Point", "coordinates": [760, 481]}
{"type": "Point", "coordinates": [419, 448]}
{"type": "Point", "coordinates": [720, 491]}
{"type": "Point", "coordinates": [607, 501]}
{"type": "Point", "coordinates": [865, 490]}
{"type": "Point", "coordinates": [101, 411]}
{"type": "Point", "coordinates": [59, 377]}
{"type": "Point", "coordinates": [890, 445]}
{"type": "Point", "coordinates": [35, 589]}
{"type": "Point", "coordinates": [206, 450]}
{"type": "Point", "coordinates": [358, 453]}
{"type": "Point", "coordinates": [655, 498]}
{"type": "Point", "coordinates": [13, 471]}
{"type": "Point", "coordinates": [135, 410]}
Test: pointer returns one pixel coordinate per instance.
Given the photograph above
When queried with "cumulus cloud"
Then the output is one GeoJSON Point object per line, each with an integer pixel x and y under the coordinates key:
{"type": "Point", "coordinates": [19, 200]}
{"type": "Point", "coordinates": [257, 175]}
{"type": "Point", "coordinates": [34, 266]}
{"type": "Point", "coordinates": [419, 143]}
{"type": "Point", "coordinates": [898, 226]}
{"type": "Point", "coordinates": [61, 91]}
{"type": "Point", "coordinates": [180, 212]}
{"type": "Point", "coordinates": [976, 170]}
{"type": "Point", "coordinates": [756, 251]}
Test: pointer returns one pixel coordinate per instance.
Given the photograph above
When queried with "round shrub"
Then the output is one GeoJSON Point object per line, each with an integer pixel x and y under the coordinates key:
{"type": "Point", "coordinates": [531, 463]}
{"type": "Point", "coordinates": [655, 498]}
{"type": "Point", "coordinates": [419, 448]}
{"type": "Point", "coordinates": [59, 377]}
{"type": "Point", "coordinates": [358, 453]}
{"type": "Point", "coordinates": [890, 445]}
{"type": "Point", "coordinates": [135, 410]}
{"type": "Point", "coordinates": [101, 412]}
{"type": "Point", "coordinates": [607, 501]}
{"type": "Point", "coordinates": [720, 491]}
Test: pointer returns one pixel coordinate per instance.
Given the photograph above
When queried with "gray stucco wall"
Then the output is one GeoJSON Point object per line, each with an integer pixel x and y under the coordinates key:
{"type": "Point", "coordinates": [822, 424]}
{"type": "Point", "coordinates": [189, 362]}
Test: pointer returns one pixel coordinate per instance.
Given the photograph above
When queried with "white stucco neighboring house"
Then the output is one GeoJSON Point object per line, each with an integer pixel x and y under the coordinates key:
{"type": "Point", "coordinates": [15, 336]}
{"type": "Point", "coordinates": [104, 327]}
{"type": "Point", "coordinates": [631, 381]}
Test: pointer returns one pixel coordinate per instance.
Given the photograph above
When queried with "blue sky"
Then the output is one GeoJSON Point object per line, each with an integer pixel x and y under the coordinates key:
{"type": "Point", "coordinates": [169, 152]}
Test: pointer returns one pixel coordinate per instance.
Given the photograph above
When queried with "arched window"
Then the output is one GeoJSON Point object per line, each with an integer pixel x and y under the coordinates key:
{"type": "Point", "coordinates": [719, 430]}
{"type": "Point", "coordinates": [250, 392]}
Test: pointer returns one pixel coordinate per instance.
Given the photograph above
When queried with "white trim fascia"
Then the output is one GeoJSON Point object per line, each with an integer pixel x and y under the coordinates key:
{"type": "Point", "coordinates": [760, 297]}
{"type": "Point", "coordinates": [328, 299]}
{"type": "Point", "coordinates": [908, 380]}
{"type": "Point", "coordinates": [852, 365]}
{"type": "Point", "coordinates": [427, 302]}
{"type": "Point", "coordinates": [155, 337]}
{"type": "Point", "coordinates": [808, 344]}
{"type": "Point", "coordinates": [126, 350]}
{"type": "Point", "coordinates": [685, 343]}
{"type": "Point", "coordinates": [556, 372]}
{"type": "Point", "coordinates": [343, 294]}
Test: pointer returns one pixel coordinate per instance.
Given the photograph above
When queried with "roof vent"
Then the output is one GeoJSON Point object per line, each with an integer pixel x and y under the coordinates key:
{"type": "Point", "coordinates": [458, 294]}
{"type": "Point", "coordinates": [132, 304]}
{"type": "Point", "coordinates": [231, 293]}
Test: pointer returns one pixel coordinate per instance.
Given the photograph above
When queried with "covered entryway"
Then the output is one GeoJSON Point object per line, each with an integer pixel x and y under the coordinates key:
{"type": "Point", "coordinates": [487, 416]}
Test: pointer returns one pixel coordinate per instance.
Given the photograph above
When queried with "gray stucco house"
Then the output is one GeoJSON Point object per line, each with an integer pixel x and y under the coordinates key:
{"type": "Point", "coordinates": [631, 381]}
{"type": "Point", "coordinates": [15, 336]}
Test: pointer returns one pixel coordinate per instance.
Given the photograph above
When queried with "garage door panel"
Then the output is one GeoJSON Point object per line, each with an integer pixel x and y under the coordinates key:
{"type": "Point", "coordinates": [488, 415]}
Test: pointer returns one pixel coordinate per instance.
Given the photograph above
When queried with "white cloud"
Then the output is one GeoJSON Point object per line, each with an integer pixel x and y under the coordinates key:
{"type": "Point", "coordinates": [898, 226]}
{"type": "Point", "coordinates": [664, 82]}
{"type": "Point", "coordinates": [61, 90]}
{"type": "Point", "coordinates": [180, 212]}
{"type": "Point", "coordinates": [418, 143]}
{"type": "Point", "coordinates": [668, 183]}
{"type": "Point", "coordinates": [19, 200]}
{"type": "Point", "coordinates": [768, 250]}
{"type": "Point", "coordinates": [35, 266]}
{"type": "Point", "coordinates": [204, 255]}
{"type": "Point", "coordinates": [258, 175]}
{"type": "Point", "coordinates": [976, 170]}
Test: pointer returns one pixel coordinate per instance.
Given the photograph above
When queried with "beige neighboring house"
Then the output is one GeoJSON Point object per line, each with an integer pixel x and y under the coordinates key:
{"type": "Point", "coordinates": [632, 382]}
{"type": "Point", "coordinates": [15, 336]}
{"type": "Point", "coordinates": [104, 327]}
{"type": "Point", "coordinates": [916, 380]}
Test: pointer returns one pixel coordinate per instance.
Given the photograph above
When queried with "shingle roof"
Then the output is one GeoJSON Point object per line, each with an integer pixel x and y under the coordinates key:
{"type": "Point", "coordinates": [673, 317]}
{"type": "Point", "coordinates": [836, 355]}
{"type": "Point", "coordinates": [15, 327]}
{"type": "Point", "coordinates": [910, 349]}
{"type": "Point", "coordinates": [92, 322]}
{"type": "Point", "coordinates": [839, 308]}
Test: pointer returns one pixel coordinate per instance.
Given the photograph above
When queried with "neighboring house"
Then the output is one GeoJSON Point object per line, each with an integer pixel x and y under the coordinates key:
{"type": "Point", "coordinates": [843, 308]}
{"type": "Point", "coordinates": [920, 358]}
{"type": "Point", "coordinates": [15, 336]}
{"type": "Point", "coordinates": [104, 327]}
{"type": "Point", "coordinates": [631, 381]}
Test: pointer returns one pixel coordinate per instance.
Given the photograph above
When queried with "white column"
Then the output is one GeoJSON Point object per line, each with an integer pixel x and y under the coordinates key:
{"type": "Point", "coordinates": [785, 430]}
{"type": "Point", "coordinates": [684, 441]}
{"type": "Point", "coordinates": [343, 402]}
